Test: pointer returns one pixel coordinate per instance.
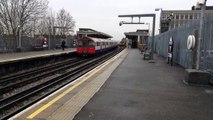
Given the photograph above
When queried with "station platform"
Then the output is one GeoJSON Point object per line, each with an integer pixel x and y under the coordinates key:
{"type": "Point", "coordinates": [6, 57]}
{"type": "Point", "coordinates": [127, 88]}
{"type": "Point", "coordinates": [139, 90]}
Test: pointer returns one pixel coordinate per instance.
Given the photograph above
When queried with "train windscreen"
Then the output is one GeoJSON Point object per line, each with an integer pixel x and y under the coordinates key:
{"type": "Point", "coordinates": [85, 43]}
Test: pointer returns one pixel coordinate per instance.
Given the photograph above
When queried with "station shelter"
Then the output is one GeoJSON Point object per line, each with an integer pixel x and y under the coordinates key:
{"type": "Point", "coordinates": [138, 39]}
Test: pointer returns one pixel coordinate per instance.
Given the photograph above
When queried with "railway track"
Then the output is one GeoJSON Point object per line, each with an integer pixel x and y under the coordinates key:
{"type": "Point", "coordinates": [15, 81]}
{"type": "Point", "coordinates": [24, 90]}
{"type": "Point", "coordinates": [24, 74]}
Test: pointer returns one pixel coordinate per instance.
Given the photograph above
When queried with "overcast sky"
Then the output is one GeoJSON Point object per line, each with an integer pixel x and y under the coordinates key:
{"type": "Point", "coordinates": [102, 15]}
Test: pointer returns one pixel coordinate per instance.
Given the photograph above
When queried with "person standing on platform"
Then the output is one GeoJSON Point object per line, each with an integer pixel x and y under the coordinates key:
{"type": "Point", "coordinates": [63, 45]}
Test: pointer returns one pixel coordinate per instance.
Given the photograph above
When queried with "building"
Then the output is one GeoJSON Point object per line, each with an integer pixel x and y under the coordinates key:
{"type": "Point", "coordinates": [173, 18]}
{"type": "Point", "coordinates": [138, 39]}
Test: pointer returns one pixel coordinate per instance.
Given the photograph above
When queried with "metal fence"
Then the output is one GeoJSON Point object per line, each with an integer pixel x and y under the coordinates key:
{"type": "Point", "coordinates": [9, 44]}
{"type": "Point", "coordinates": [207, 46]}
{"type": "Point", "coordinates": [181, 55]}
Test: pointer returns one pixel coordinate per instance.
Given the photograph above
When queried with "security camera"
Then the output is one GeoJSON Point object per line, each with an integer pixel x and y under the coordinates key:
{"type": "Point", "coordinates": [120, 23]}
{"type": "Point", "coordinates": [201, 2]}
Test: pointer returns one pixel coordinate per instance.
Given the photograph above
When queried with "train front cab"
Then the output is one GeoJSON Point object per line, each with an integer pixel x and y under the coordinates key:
{"type": "Point", "coordinates": [86, 47]}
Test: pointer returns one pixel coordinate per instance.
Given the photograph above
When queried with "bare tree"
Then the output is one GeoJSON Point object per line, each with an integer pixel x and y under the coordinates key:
{"type": "Point", "coordinates": [49, 22]}
{"type": "Point", "coordinates": [64, 19]}
{"type": "Point", "coordinates": [16, 15]}
{"type": "Point", "coordinates": [44, 25]}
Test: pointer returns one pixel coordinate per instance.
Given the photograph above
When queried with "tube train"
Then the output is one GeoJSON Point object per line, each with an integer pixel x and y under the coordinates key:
{"type": "Point", "coordinates": [88, 46]}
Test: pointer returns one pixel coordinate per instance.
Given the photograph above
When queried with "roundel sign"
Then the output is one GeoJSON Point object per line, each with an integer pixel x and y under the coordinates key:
{"type": "Point", "coordinates": [191, 42]}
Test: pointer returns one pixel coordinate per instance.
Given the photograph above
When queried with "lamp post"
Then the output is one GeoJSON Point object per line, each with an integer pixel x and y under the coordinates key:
{"type": "Point", "coordinates": [50, 29]}
{"type": "Point", "coordinates": [202, 4]}
{"type": "Point", "coordinates": [49, 38]}
{"type": "Point", "coordinates": [19, 37]}
{"type": "Point", "coordinates": [33, 19]}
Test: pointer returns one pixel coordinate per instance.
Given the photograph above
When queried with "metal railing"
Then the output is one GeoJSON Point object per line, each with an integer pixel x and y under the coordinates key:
{"type": "Point", "coordinates": [9, 43]}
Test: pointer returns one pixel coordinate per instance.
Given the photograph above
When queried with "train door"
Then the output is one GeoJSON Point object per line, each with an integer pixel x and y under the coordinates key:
{"type": "Point", "coordinates": [98, 45]}
{"type": "Point", "coordinates": [101, 46]}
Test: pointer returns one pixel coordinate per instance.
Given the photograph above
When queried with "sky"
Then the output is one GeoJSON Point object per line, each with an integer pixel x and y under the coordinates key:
{"type": "Point", "coordinates": [102, 15]}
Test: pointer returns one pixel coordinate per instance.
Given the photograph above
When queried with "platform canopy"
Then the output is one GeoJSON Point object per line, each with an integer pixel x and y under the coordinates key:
{"type": "Point", "coordinates": [92, 33]}
{"type": "Point", "coordinates": [138, 33]}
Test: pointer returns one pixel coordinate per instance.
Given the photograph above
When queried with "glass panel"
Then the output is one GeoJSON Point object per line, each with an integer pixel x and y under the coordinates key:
{"type": "Point", "coordinates": [191, 17]}
{"type": "Point", "coordinates": [177, 17]}
{"type": "Point", "coordinates": [91, 43]}
{"type": "Point", "coordinates": [181, 17]}
{"type": "Point", "coordinates": [82, 43]}
{"type": "Point", "coordinates": [186, 16]}
{"type": "Point", "coordinates": [195, 17]}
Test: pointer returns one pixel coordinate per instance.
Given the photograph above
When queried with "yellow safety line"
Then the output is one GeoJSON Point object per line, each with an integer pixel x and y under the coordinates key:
{"type": "Point", "coordinates": [31, 116]}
